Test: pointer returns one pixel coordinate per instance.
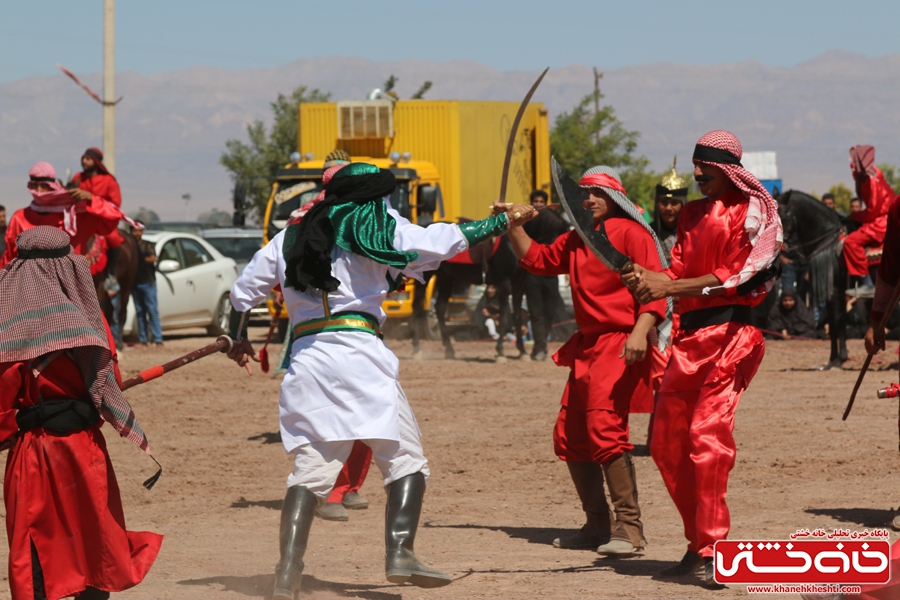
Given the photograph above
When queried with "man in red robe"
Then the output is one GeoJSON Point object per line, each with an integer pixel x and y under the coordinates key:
{"type": "Point", "coordinates": [607, 357]}
{"type": "Point", "coordinates": [873, 189]}
{"type": "Point", "coordinates": [59, 382]}
{"type": "Point", "coordinates": [720, 267]}
{"type": "Point", "coordinates": [96, 180]}
{"type": "Point", "coordinates": [52, 205]}
{"type": "Point", "coordinates": [886, 279]}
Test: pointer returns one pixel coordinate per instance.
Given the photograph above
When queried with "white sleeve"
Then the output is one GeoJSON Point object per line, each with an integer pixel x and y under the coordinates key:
{"type": "Point", "coordinates": [259, 277]}
{"type": "Point", "coordinates": [434, 244]}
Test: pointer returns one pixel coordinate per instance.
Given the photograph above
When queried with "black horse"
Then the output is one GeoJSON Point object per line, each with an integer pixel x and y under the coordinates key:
{"type": "Point", "coordinates": [813, 230]}
{"type": "Point", "coordinates": [489, 266]}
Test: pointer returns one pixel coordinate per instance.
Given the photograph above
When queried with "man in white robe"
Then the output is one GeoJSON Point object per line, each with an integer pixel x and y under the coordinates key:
{"type": "Point", "coordinates": [335, 268]}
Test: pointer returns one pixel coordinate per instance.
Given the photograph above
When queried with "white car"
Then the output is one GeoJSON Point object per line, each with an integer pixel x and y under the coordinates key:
{"type": "Point", "coordinates": [193, 282]}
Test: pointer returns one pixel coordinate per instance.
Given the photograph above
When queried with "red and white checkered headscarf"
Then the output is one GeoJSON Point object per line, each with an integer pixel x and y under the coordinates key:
{"type": "Point", "coordinates": [722, 149]}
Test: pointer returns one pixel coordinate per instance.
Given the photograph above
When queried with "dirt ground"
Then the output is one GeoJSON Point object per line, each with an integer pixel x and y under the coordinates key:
{"type": "Point", "coordinates": [497, 496]}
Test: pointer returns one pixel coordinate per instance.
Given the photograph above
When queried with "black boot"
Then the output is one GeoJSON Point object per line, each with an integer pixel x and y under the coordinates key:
{"type": "Point", "coordinates": [296, 519]}
{"type": "Point", "coordinates": [401, 519]}
{"type": "Point", "coordinates": [112, 261]}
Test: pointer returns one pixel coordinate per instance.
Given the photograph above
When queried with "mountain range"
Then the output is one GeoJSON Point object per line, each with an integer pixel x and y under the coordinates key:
{"type": "Point", "coordinates": [172, 126]}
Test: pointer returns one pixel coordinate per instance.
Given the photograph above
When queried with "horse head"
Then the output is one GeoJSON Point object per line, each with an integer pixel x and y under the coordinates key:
{"type": "Point", "coordinates": [807, 223]}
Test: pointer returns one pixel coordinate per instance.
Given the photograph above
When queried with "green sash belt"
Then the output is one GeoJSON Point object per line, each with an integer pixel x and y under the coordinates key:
{"type": "Point", "coordinates": [340, 321]}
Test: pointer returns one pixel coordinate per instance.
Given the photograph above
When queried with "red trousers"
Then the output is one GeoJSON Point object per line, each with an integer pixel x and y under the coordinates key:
{"type": "Point", "coordinates": [354, 472]}
{"type": "Point", "coordinates": [870, 234]}
{"type": "Point", "coordinates": [591, 436]}
{"type": "Point", "coordinates": [692, 442]}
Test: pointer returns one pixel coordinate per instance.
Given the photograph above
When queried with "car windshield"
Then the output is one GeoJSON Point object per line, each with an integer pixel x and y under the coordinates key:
{"type": "Point", "coordinates": [241, 249]}
{"type": "Point", "coordinates": [292, 196]}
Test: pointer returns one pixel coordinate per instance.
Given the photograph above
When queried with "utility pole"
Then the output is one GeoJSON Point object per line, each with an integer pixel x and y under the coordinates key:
{"type": "Point", "coordinates": [597, 76]}
{"type": "Point", "coordinates": [187, 200]}
{"type": "Point", "coordinates": [109, 85]}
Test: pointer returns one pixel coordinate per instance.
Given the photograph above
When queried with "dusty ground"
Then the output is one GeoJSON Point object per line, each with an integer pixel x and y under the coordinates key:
{"type": "Point", "coordinates": [497, 496]}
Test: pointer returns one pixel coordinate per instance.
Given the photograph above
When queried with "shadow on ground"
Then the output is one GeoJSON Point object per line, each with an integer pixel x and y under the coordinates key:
{"type": "Point", "coordinates": [867, 517]}
{"type": "Point", "coordinates": [244, 503]}
{"type": "Point", "coordinates": [267, 437]}
{"type": "Point", "coordinates": [260, 586]}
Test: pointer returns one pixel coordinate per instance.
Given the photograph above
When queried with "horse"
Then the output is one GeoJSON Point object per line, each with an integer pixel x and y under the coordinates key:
{"type": "Point", "coordinates": [126, 272]}
{"type": "Point", "coordinates": [814, 230]}
{"type": "Point", "coordinates": [491, 263]}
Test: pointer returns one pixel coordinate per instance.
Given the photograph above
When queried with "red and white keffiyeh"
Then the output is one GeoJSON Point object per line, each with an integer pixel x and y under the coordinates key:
{"type": "Point", "coordinates": [762, 223]}
{"type": "Point", "coordinates": [298, 214]}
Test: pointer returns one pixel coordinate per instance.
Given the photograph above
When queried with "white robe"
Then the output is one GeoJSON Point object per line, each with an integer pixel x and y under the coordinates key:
{"type": "Point", "coordinates": [342, 385]}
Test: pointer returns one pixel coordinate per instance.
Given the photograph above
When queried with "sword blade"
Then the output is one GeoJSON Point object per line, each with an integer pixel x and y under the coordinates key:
{"type": "Point", "coordinates": [571, 196]}
{"type": "Point", "coordinates": [511, 143]}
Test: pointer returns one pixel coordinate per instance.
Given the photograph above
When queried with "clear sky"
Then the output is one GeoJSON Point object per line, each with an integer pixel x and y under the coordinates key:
{"type": "Point", "coordinates": [163, 35]}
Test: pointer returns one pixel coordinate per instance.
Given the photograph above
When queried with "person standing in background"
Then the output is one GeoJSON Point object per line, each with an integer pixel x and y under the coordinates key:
{"type": "Point", "coordinates": [144, 291]}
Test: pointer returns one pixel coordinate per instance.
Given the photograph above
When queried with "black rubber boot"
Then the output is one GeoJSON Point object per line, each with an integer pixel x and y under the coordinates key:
{"type": "Point", "coordinates": [112, 261]}
{"type": "Point", "coordinates": [296, 519]}
{"type": "Point", "coordinates": [401, 520]}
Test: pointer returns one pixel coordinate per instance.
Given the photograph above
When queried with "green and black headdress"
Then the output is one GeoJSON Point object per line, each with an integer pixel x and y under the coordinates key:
{"type": "Point", "coordinates": [354, 217]}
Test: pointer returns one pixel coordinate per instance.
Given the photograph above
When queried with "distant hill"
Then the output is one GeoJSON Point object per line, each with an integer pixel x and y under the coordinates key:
{"type": "Point", "coordinates": [172, 126]}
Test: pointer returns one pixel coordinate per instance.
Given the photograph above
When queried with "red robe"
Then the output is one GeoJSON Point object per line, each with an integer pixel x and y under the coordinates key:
{"type": "Point", "coordinates": [602, 390]}
{"type": "Point", "coordinates": [710, 367]}
{"type": "Point", "coordinates": [889, 269]}
{"type": "Point", "coordinates": [353, 474]}
{"type": "Point", "coordinates": [877, 195]}
{"type": "Point", "coordinates": [105, 186]}
{"type": "Point", "coordinates": [99, 217]}
{"type": "Point", "coordinates": [61, 495]}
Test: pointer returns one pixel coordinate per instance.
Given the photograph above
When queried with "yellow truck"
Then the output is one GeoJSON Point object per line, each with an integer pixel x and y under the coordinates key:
{"type": "Point", "coordinates": [447, 156]}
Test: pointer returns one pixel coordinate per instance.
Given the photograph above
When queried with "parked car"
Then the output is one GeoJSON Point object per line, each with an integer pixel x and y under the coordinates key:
{"type": "Point", "coordinates": [235, 243]}
{"type": "Point", "coordinates": [239, 245]}
{"type": "Point", "coordinates": [193, 282]}
{"type": "Point", "coordinates": [192, 227]}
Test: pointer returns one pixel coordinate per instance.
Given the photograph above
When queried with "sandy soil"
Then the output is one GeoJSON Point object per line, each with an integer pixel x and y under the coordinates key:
{"type": "Point", "coordinates": [497, 496]}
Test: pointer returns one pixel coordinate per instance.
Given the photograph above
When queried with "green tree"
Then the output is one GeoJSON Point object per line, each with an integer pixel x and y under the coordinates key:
{"type": "Point", "coordinates": [842, 196]}
{"type": "Point", "coordinates": [256, 163]}
{"type": "Point", "coordinates": [891, 175]}
{"type": "Point", "coordinates": [586, 137]}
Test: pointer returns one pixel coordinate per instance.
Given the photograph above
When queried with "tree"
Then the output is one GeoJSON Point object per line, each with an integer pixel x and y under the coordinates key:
{"type": "Point", "coordinates": [587, 137]}
{"type": "Point", "coordinates": [145, 215]}
{"type": "Point", "coordinates": [891, 175]}
{"type": "Point", "coordinates": [216, 217]}
{"type": "Point", "coordinates": [842, 196]}
{"type": "Point", "coordinates": [256, 163]}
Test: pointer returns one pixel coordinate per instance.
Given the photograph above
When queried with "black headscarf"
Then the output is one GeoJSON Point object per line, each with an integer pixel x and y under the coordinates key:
{"type": "Point", "coordinates": [308, 244]}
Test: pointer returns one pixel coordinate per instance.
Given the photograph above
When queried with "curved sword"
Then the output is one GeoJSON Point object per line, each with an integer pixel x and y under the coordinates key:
{"type": "Point", "coordinates": [571, 196]}
{"type": "Point", "coordinates": [512, 135]}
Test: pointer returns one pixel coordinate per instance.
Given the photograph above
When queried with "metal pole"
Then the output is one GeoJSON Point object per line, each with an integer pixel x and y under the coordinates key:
{"type": "Point", "coordinates": [109, 85]}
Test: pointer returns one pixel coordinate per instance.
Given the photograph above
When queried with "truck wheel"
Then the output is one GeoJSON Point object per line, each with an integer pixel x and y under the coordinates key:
{"type": "Point", "coordinates": [219, 325]}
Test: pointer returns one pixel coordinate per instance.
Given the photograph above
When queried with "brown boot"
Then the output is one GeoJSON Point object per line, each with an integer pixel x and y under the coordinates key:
{"type": "Point", "coordinates": [628, 532]}
{"type": "Point", "coordinates": [588, 479]}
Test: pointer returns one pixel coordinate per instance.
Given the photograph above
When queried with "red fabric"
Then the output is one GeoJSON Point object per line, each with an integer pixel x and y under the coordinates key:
{"type": "Point", "coordinates": [602, 180]}
{"type": "Point", "coordinates": [99, 217]}
{"type": "Point", "coordinates": [889, 270]}
{"type": "Point", "coordinates": [96, 254]}
{"type": "Point", "coordinates": [712, 239]}
{"type": "Point", "coordinates": [596, 436]}
{"type": "Point", "coordinates": [61, 494]}
{"type": "Point", "coordinates": [353, 475]}
{"type": "Point", "coordinates": [692, 442]}
{"type": "Point", "coordinates": [101, 184]}
{"type": "Point", "coordinates": [601, 388]}
{"type": "Point", "coordinates": [602, 303]}
{"type": "Point", "coordinates": [877, 195]}
{"type": "Point", "coordinates": [872, 233]}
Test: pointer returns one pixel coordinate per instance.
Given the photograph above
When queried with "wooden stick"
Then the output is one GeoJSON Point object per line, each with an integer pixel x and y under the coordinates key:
{"type": "Point", "coordinates": [895, 297]}
{"type": "Point", "coordinates": [222, 344]}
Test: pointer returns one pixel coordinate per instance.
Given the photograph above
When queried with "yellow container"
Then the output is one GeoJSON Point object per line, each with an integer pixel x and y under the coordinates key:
{"type": "Point", "coordinates": [464, 140]}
